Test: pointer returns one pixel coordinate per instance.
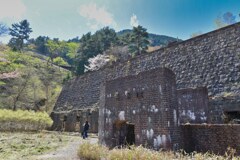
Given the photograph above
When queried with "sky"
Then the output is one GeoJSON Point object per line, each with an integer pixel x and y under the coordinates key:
{"type": "Point", "coordinates": [66, 19]}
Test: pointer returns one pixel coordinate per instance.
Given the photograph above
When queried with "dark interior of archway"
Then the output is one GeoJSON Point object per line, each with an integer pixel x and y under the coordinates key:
{"type": "Point", "coordinates": [232, 117]}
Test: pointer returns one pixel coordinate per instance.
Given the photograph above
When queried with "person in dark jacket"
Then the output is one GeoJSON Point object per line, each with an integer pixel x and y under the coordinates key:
{"type": "Point", "coordinates": [85, 130]}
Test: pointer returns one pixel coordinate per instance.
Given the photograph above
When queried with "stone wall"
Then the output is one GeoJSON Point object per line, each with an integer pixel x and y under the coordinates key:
{"type": "Point", "coordinates": [211, 138]}
{"type": "Point", "coordinates": [209, 60]}
{"type": "Point", "coordinates": [81, 92]}
{"type": "Point", "coordinates": [147, 101]}
{"type": "Point", "coordinates": [193, 105]}
{"type": "Point", "coordinates": [73, 121]}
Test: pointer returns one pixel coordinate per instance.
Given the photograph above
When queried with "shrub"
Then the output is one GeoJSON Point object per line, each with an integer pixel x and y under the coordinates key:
{"type": "Point", "coordinates": [89, 151]}
{"type": "Point", "coordinates": [22, 120]}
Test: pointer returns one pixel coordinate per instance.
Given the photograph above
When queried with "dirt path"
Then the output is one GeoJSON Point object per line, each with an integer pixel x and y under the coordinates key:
{"type": "Point", "coordinates": [69, 152]}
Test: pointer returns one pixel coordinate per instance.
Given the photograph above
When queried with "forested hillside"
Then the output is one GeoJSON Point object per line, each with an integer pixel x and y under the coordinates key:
{"type": "Point", "coordinates": [155, 40]}
{"type": "Point", "coordinates": [27, 81]}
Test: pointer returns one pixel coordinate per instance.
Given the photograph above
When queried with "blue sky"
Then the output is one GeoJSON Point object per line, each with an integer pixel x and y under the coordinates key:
{"type": "Point", "coordinates": [67, 19]}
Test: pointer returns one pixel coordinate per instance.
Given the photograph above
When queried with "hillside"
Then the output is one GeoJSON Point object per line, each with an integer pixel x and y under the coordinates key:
{"type": "Point", "coordinates": [155, 40]}
{"type": "Point", "coordinates": [27, 81]}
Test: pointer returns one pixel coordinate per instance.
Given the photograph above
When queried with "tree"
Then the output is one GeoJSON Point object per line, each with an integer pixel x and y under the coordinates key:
{"type": "Point", "coordinates": [84, 51]}
{"type": "Point", "coordinates": [92, 45]}
{"type": "Point", "coordinates": [20, 32]}
{"type": "Point", "coordinates": [59, 61]}
{"type": "Point", "coordinates": [125, 39]}
{"type": "Point", "coordinates": [76, 40]}
{"type": "Point", "coordinates": [54, 48]}
{"type": "Point", "coordinates": [97, 62]}
{"type": "Point", "coordinates": [138, 41]}
{"type": "Point", "coordinates": [40, 43]}
{"type": "Point", "coordinates": [105, 38]}
{"type": "Point", "coordinates": [15, 44]}
{"type": "Point", "coordinates": [226, 19]}
{"type": "Point", "coordinates": [3, 29]}
{"type": "Point", "coordinates": [72, 48]}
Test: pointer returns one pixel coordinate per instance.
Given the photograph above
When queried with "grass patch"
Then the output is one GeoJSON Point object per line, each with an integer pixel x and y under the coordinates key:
{"type": "Point", "coordinates": [92, 151]}
{"type": "Point", "coordinates": [21, 120]}
{"type": "Point", "coordinates": [89, 151]}
{"type": "Point", "coordinates": [23, 146]}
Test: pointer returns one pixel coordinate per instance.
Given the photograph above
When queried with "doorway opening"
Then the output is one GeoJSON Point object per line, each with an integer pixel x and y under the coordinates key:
{"type": "Point", "coordinates": [232, 117]}
{"type": "Point", "coordinates": [123, 133]}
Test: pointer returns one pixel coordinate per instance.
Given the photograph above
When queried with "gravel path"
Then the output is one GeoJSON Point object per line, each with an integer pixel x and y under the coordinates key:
{"type": "Point", "coordinates": [68, 152]}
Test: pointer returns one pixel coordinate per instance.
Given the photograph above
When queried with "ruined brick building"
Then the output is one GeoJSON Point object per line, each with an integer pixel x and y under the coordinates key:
{"type": "Point", "coordinates": [210, 61]}
{"type": "Point", "coordinates": [142, 108]}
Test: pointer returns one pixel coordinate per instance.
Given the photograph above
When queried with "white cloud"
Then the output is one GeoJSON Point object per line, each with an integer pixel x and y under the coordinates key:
{"type": "Point", "coordinates": [97, 16]}
{"type": "Point", "coordinates": [134, 21]}
{"type": "Point", "coordinates": [12, 9]}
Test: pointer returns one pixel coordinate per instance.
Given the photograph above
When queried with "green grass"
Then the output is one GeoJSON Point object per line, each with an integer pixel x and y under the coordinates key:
{"type": "Point", "coordinates": [21, 120]}
{"type": "Point", "coordinates": [23, 146]}
{"type": "Point", "coordinates": [89, 151]}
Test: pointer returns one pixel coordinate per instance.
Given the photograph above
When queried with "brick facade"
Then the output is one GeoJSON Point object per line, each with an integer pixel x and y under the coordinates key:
{"type": "Point", "coordinates": [193, 105]}
{"type": "Point", "coordinates": [148, 102]}
{"type": "Point", "coordinates": [73, 121]}
{"type": "Point", "coordinates": [211, 138]}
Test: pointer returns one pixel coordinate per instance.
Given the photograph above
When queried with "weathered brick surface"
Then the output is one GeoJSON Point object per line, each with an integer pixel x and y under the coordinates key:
{"type": "Point", "coordinates": [209, 60]}
{"type": "Point", "coordinates": [147, 100]}
{"type": "Point", "coordinates": [193, 105]}
{"type": "Point", "coordinates": [213, 138]}
{"type": "Point", "coordinates": [73, 121]}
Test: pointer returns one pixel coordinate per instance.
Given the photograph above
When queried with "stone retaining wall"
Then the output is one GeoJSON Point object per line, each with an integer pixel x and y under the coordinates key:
{"type": "Point", "coordinates": [209, 60]}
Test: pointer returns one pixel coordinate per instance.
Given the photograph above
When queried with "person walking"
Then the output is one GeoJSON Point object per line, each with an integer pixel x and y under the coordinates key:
{"type": "Point", "coordinates": [85, 130]}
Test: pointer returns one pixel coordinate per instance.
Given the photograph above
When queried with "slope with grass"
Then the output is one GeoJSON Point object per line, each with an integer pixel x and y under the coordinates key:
{"type": "Point", "coordinates": [23, 120]}
{"type": "Point", "coordinates": [27, 81]}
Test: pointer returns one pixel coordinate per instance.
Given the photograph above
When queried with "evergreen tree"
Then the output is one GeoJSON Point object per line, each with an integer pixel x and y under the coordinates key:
{"type": "Point", "coordinates": [92, 45]}
{"type": "Point", "coordinates": [84, 52]}
{"type": "Point", "coordinates": [20, 32]}
{"type": "Point", "coordinates": [138, 41]}
{"type": "Point", "coordinates": [40, 43]}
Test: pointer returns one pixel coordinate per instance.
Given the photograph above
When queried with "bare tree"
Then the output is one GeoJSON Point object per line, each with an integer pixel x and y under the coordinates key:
{"type": "Point", "coordinates": [20, 89]}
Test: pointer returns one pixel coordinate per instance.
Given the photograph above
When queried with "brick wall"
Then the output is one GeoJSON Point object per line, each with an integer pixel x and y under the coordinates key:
{"type": "Point", "coordinates": [209, 60]}
{"type": "Point", "coordinates": [73, 121]}
{"type": "Point", "coordinates": [148, 101]}
{"type": "Point", "coordinates": [193, 105]}
{"type": "Point", "coordinates": [213, 138]}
